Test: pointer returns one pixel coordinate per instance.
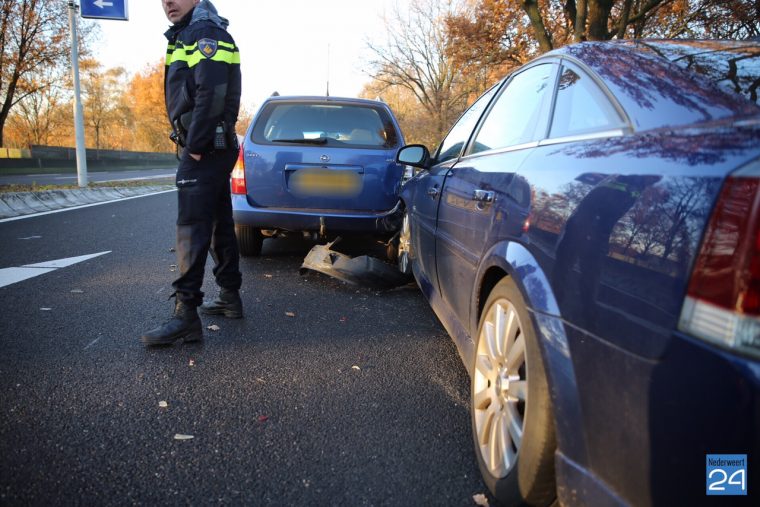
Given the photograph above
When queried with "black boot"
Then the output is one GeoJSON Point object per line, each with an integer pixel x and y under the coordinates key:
{"type": "Point", "coordinates": [184, 325]}
{"type": "Point", "coordinates": [227, 303]}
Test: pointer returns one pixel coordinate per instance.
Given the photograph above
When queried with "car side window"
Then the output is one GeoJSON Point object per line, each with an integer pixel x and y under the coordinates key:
{"type": "Point", "coordinates": [520, 113]}
{"type": "Point", "coordinates": [454, 142]}
{"type": "Point", "coordinates": [581, 107]}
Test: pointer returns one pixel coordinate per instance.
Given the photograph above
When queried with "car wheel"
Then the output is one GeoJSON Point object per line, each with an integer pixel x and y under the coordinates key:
{"type": "Point", "coordinates": [249, 240]}
{"type": "Point", "coordinates": [512, 420]}
{"type": "Point", "coordinates": [403, 256]}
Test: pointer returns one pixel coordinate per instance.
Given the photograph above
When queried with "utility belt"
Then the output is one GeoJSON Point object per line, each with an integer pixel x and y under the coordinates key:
{"type": "Point", "coordinates": [224, 138]}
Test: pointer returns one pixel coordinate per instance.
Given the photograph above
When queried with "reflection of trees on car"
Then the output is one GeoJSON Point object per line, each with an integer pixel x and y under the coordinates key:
{"type": "Point", "coordinates": [684, 146]}
{"type": "Point", "coordinates": [587, 232]}
{"type": "Point", "coordinates": [737, 71]}
{"type": "Point", "coordinates": [664, 80]}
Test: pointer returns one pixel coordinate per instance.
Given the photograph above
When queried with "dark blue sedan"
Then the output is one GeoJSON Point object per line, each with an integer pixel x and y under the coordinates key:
{"type": "Point", "coordinates": [317, 165]}
{"type": "Point", "coordinates": [588, 232]}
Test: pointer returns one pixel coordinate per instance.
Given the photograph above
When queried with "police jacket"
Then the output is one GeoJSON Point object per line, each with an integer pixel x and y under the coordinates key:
{"type": "Point", "coordinates": [202, 77]}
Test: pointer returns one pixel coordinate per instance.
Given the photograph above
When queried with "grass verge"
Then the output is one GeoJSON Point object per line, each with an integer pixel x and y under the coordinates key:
{"type": "Point", "coordinates": [106, 184]}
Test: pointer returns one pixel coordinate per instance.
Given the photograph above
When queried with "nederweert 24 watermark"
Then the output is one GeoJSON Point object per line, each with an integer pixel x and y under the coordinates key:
{"type": "Point", "coordinates": [726, 474]}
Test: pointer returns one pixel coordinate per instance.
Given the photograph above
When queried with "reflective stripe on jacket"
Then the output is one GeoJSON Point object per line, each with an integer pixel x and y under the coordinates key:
{"type": "Point", "coordinates": [202, 77]}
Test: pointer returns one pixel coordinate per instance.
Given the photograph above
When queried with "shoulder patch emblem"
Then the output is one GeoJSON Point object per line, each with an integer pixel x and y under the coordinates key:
{"type": "Point", "coordinates": [207, 47]}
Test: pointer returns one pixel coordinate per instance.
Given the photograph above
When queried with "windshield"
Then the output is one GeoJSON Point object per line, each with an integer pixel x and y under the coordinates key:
{"type": "Point", "coordinates": [337, 125]}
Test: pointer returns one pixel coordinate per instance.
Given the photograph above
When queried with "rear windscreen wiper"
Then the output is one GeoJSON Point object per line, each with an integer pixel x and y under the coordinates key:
{"type": "Point", "coordinates": [320, 140]}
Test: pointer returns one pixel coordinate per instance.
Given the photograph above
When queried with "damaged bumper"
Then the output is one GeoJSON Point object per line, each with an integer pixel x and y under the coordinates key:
{"type": "Point", "coordinates": [361, 270]}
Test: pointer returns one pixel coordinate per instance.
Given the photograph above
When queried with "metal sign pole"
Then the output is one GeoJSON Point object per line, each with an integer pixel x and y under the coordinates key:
{"type": "Point", "coordinates": [78, 113]}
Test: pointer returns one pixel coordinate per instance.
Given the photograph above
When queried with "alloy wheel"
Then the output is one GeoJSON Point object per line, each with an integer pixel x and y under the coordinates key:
{"type": "Point", "coordinates": [404, 246]}
{"type": "Point", "coordinates": [500, 388]}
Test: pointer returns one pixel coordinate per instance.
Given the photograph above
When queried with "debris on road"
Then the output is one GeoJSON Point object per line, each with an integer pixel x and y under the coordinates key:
{"type": "Point", "coordinates": [192, 362]}
{"type": "Point", "coordinates": [163, 404]}
{"type": "Point", "coordinates": [77, 291]}
{"type": "Point", "coordinates": [180, 436]}
{"type": "Point", "coordinates": [361, 270]}
{"type": "Point", "coordinates": [354, 367]}
{"type": "Point", "coordinates": [290, 314]}
{"type": "Point", "coordinates": [213, 327]}
{"type": "Point", "coordinates": [263, 418]}
{"type": "Point", "coordinates": [45, 309]}
{"type": "Point", "coordinates": [267, 276]}
{"type": "Point", "coordinates": [480, 499]}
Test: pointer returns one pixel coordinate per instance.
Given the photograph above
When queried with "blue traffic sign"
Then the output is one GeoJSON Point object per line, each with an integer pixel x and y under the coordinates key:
{"type": "Point", "coordinates": [105, 9]}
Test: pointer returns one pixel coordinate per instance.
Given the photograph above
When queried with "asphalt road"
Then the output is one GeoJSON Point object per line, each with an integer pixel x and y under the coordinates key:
{"type": "Point", "coordinates": [325, 394]}
{"type": "Point", "coordinates": [70, 178]}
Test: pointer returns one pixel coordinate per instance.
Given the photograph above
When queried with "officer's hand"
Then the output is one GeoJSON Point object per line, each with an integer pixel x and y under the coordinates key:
{"type": "Point", "coordinates": [196, 156]}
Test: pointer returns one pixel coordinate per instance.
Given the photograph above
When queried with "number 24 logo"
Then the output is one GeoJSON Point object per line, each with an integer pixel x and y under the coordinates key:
{"type": "Point", "coordinates": [731, 481]}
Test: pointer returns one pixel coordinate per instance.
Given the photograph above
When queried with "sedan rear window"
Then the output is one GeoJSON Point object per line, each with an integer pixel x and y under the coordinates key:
{"type": "Point", "coordinates": [336, 125]}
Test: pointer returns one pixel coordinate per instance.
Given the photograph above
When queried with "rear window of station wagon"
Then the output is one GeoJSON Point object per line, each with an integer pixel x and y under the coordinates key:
{"type": "Point", "coordinates": [335, 125]}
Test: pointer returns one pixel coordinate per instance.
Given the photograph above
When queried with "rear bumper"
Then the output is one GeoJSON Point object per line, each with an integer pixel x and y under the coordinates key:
{"type": "Point", "coordinates": [329, 221]}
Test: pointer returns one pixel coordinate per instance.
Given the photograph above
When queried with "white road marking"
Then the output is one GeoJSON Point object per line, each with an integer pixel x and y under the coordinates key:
{"type": "Point", "coordinates": [14, 275]}
{"type": "Point", "coordinates": [22, 217]}
{"type": "Point", "coordinates": [31, 237]}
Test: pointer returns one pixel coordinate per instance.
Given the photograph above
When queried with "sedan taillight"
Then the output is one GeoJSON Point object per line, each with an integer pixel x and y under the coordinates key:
{"type": "Point", "coordinates": [237, 180]}
{"type": "Point", "coordinates": [723, 299]}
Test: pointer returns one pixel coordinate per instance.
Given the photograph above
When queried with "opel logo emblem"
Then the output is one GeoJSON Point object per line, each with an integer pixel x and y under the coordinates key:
{"type": "Point", "coordinates": [324, 158]}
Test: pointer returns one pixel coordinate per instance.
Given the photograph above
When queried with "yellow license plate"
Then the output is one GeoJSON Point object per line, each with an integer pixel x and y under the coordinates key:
{"type": "Point", "coordinates": [325, 183]}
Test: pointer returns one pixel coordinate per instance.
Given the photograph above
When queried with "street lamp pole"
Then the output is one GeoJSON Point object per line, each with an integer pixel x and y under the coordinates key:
{"type": "Point", "coordinates": [78, 113]}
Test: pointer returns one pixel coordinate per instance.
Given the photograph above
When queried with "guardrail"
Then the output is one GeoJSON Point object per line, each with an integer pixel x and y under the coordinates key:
{"type": "Point", "coordinates": [56, 157]}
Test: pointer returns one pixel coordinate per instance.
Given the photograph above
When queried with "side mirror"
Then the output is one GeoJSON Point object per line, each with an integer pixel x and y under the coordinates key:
{"type": "Point", "coordinates": [415, 155]}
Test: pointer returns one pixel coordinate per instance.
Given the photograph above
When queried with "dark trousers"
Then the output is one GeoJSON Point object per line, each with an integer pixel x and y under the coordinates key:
{"type": "Point", "coordinates": [204, 223]}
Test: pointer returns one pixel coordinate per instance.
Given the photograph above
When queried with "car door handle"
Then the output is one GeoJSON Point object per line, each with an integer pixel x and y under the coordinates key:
{"type": "Point", "coordinates": [483, 195]}
{"type": "Point", "coordinates": [433, 192]}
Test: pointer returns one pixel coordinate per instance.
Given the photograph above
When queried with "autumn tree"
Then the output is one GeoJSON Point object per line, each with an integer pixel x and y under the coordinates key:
{"type": "Point", "coordinates": [146, 96]}
{"type": "Point", "coordinates": [104, 109]}
{"type": "Point", "coordinates": [415, 57]}
{"type": "Point", "coordinates": [44, 117]}
{"type": "Point", "coordinates": [505, 33]}
{"type": "Point", "coordinates": [33, 36]}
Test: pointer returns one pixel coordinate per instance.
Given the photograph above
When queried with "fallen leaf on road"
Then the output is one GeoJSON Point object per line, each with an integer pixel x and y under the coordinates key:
{"type": "Point", "coordinates": [290, 314]}
{"type": "Point", "coordinates": [180, 436]}
{"type": "Point", "coordinates": [163, 404]}
{"type": "Point", "coordinates": [480, 499]}
{"type": "Point", "coordinates": [213, 327]}
{"type": "Point", "coordinates": [77, 291]}
{"type": "Point", "coordinates": [354, 367]}
{"type": "Point", "coordinates": [263, 418]}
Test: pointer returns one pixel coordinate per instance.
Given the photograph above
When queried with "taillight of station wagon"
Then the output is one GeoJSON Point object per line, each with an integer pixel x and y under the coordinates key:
{"type": "Point", "coordinates": [237, 179]}
{"type": "Point", "coordinates": [723, 299]}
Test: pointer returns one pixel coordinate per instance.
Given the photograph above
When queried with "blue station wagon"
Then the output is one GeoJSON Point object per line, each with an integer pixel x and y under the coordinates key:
{"type": "Point", "coordinates": [317, 165]}
{"type": "Point", "coordinates": [589, 234]}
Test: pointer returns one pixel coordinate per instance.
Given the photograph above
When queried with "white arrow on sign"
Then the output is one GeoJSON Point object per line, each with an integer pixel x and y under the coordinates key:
{"type": "Point", "coordinates": [13, 275]}
{"type": "Point", "coordinates": [101, 3]}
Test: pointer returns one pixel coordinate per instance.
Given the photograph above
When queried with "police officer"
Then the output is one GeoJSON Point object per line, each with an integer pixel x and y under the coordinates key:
{"type": "Point", "coordinates": [202, 90]}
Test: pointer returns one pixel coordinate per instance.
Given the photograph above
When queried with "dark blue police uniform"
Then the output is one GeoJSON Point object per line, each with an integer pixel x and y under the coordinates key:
{"type": "Point", "coordinates": [202, 90]}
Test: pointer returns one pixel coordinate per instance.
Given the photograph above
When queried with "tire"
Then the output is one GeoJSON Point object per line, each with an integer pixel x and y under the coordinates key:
{"type": "Point", "coordinates": [510, 401]}
{"type": "Point", "coordinates": [404, 249]}
{"type": "Point", "coordinates": [249, 240]}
